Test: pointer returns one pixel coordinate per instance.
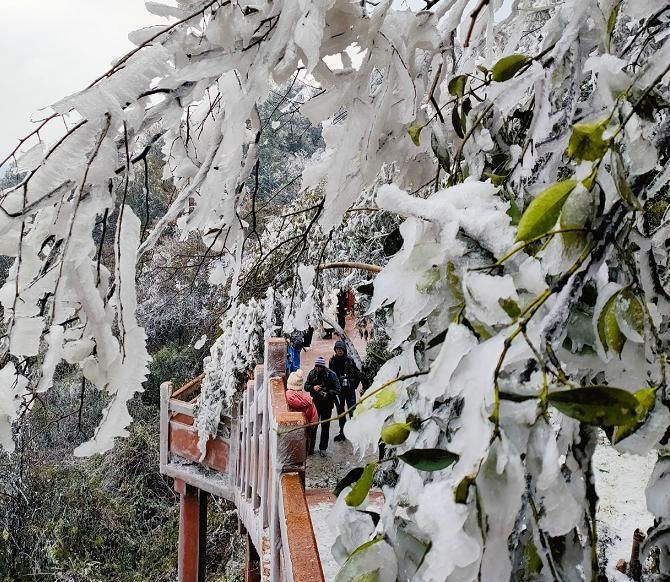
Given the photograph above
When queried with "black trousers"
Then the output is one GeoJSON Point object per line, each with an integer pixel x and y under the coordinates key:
{"type": "Point", "coordinates": [325, 410]}
{"type": "Point", "coordinates": [345, 401]}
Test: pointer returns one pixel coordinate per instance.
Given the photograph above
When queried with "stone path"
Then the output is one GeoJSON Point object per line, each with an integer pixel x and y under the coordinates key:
{"type": "Point", "coordinates": [322, 474]}
{"type": "Point", "coordinates": [326, 472]}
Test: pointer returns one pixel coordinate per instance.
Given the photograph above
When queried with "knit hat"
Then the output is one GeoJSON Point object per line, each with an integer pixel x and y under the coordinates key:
{"type": "Point", "coordinates": [296, 380]}
{"type": "Point", "coordinates": [320, 361]}
{"type": "Point", "coordinates": [340, 344]}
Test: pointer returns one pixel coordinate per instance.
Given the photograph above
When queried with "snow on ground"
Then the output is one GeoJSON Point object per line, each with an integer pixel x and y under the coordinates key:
{"type": "Point", "coordinates": [620, 482]}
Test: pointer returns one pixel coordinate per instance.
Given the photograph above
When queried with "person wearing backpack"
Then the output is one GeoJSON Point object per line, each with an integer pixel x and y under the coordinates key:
{"type": "Point", "coordinates": [349, 376]}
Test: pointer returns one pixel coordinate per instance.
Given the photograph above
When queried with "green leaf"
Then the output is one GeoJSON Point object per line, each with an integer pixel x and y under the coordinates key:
{"type": "Point", "coordinates": [609, 331]}
{"type": "Point", "coordinates": [454, 282]}
{"type": "Point", "coordinates": [533, 563]}
{"type": "Point", "coordinates": [543, 212]}
{"type": "Point", "coordinates": [414, 130]}
{"type": "Point", "coordinates": [611, 24]}
{"type": "Point", "coordinates": [350, 478]}
{"type": "Point", "coordinates": [596, 405]}
{"type": "Point", "coordinates": [456, 122]}
{"type": "Point", "coordinates": [385, 397]}
{"type": "Point", "coordinates": [396, 433]}
{"type": "Point", "coordinates": [428, 459]}
{"type": "Point", "coordinates": [508, 66]}
{"type": "Point", "coordinates": [462, 489]}
{"type": "Point", "coordinates": [646, 399]}
{"type": "Point", "coordinates": [586, 141]}
{"type": "Point", "coordinates": [362, 486]}
{"type": "Point", "coordinates": [457, 85]}
{"type": "Point", "coordinates": [510, 307]}
{"type": "Point", "coordinates": [514, 212]}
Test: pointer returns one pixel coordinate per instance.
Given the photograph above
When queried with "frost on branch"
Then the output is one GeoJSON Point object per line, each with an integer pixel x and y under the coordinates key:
{"type": "Point", "coordinates": [526, 291]}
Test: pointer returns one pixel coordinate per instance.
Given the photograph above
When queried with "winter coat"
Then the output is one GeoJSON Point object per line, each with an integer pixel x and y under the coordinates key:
{"type": "Point", "coordinates": [345, 368]}
{"type": "Point", "coordinates": [330, 387]}
{"type": "Point", "coordinates": [301, 401]}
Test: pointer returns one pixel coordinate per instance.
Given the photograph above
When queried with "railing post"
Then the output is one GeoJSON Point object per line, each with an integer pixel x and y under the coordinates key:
{"type": "Point", "coordinates": [252, 563]}
{"type": "Point", "coordinates": [166, 391]}
{"type": "Point", "coordinates": [202, 537]}
{"type": "Point", "coordinates": [275, 357]}
{"type": "Point", "coordinates": [192, 505]}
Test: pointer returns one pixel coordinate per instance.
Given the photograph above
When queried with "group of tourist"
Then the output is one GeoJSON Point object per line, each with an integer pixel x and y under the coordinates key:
{"type": "Point", "coordinates": [325, 388]}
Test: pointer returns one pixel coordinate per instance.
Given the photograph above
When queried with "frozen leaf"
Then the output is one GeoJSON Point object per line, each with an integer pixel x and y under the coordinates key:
{"type": "Point", "coordinates": [609, 331]}
{"type": "Point", "coordinates": [385, 397]}
{"type": "Point", "coordinates": [508, 66]}
{"type": "Point", "coordinates": [396, 433]}
{"type": "Point", "coordinates": [350, 478]}
{"type": "Point", "coordinates": [586, 141]}
{"type": "Point", "coordinates": [200, 342]}
{"type": "Point", "coordinates": [359, 490]}
{"type": "Point", "coordinates": [543, 212]}
{"type": "Point", "coordinates": [439, 145]}
{"type": "Point", "coordinates": [429, 281]}
{"type": "Point", "coordinates": [375, 558]}
{"type": "Point", "coordinates": [577, 212]}
{"type": "Point", "coordinates": [646, 399]}
{"type": "Point", "coordinates": [596, 405]}
{"type": "Point", "coordinates": [511, 307]}
{"type": "Point", "coordinates": [457, 85]}
{"type": "Point", "coordinates": [428, 459]}
{"type": "Point", "coordinates": [611, 23]}
{"type": "Point", "coordinates": [463, 489]}
{"type": "Point", "coordinates": [414, 131]}
{"type": "Point", "coordinates": [630, 315]}
{"type": "Point", "coordinates": [372, 576]}
{"type": "Point", "coordinates": [457, 122]}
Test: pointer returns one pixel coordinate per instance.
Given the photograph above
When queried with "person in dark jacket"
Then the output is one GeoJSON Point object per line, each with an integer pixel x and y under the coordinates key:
{"type": "Point", "coordinates": [324, 387]}
{"type": "Point", "coordinates": [349, 376]}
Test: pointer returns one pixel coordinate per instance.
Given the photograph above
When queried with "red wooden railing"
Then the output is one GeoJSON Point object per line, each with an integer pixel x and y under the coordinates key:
{"type": "Point", "coordinates": [257, 460]}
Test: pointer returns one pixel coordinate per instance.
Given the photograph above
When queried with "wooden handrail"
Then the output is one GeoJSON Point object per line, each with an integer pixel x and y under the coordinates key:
{"type": "Point", "coordinates": [191, 386]}
{"type": "Point", "coordinates": [261, 466]}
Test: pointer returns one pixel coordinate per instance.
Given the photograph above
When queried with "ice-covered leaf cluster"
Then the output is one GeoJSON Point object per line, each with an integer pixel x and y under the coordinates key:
{"type": "Point", "coordinates": [525, 145]}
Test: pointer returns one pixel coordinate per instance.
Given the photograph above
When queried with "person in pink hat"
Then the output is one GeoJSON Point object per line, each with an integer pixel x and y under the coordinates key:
{"type": "Point", "coordinates": [300, 401]}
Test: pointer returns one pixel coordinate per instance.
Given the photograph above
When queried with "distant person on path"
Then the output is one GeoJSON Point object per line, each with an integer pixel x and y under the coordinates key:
{"type": "Point", "coordinates": [330, 313]}
{"type": "Point", "coordinates": [297, 342]}
{"type": "Point", "coordinates": [349, 376]}
{"type": "Point", "coordinates": [324, 387]}
{"type": "Point", "coordinates": [300, 401]}
{"type": "Point", "coordinates": [342, 308]}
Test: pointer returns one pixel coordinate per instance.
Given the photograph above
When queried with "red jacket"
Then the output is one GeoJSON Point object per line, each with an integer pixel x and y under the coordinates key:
{"type": "Point", "coordinates": [301, 401]}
